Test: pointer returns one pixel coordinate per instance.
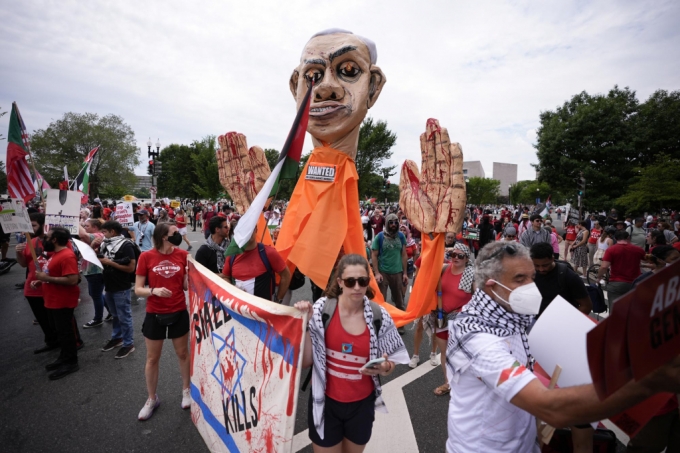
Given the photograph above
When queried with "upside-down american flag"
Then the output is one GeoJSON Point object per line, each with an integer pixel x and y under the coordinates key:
{"type": "Point", "coordinates": [19, 180]}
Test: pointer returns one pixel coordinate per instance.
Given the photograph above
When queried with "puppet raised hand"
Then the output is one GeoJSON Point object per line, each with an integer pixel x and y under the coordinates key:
{"type": "Point", "coordinates": [434, 202]}
{"type": "Point", "coordinates": [242, 171]}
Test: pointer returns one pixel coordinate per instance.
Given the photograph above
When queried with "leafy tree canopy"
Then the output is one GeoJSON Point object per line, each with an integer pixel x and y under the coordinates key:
{"type": "Point", "coordinates": [656, 186]}
{"type": "Point", "coordinates": [3, 178]}
{"type": "Point", "coordinates": [66, 142]}
{"type": "Point", "coordinates": [606, 137]}
{"type": "Point", "coordinates": [375, 144]}
{"type": "Point", "coordinates": [481, 191]}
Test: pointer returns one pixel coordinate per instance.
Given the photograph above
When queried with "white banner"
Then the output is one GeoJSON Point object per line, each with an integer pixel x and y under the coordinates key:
{"type": "Point", "coordinates": [125, 214]}
{"type": "Point", "coordinates": [14, 217]}
{"type": "Point", "coordinates": [246, 354]}
{"type": "Point", "coordinates": [62, 209]}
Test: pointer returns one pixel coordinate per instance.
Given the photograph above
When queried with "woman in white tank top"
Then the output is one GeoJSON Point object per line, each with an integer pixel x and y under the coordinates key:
{"type": "Point", "coordinates": [603, 244]}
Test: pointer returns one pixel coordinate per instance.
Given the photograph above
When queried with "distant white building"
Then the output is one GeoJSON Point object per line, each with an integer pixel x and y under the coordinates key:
{"type": "Point", "coordinates": [506, 174]}
{"type": "Point", "coordinates": [473, 169]}
{"type": "Point", "coordinates": [143, 182]}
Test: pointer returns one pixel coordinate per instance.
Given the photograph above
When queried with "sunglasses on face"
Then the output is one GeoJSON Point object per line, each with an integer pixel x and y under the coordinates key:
{"type": "Point", "coordinates": [511, 237]}
{"type": "Point", "coordinates": [507, 249]}
{"type": "Point", "coordinates": [393, 222]}
{"type": "Point", "coordinates": [460, 256]}
{"type": "Point", "coordinates": [352, 281]}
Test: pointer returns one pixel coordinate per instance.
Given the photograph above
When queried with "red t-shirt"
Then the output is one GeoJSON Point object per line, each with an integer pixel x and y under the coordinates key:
{"type": "Point", "coordinates": [625, 262]}
{"type": "Point", "coordinates": [379, 223]}
{"type": "Point", "coordinates": [206, 219]}
{"type": "Point", "coordinates": [181, 221]}
{"type": "Point", "coordinates": [452, 297]}
{"type": "Point", "coordinates": [164, 271]}
{"type": "Point", "coordinates": [61, 264]}
{"type": "Point", "coordinates": [677, 245]}
{"type": "Point", "coordinates": [594, 236]}
{"type": "Point", "coordinates": [345, 354]}
{"type": "Point", "coordinates": [42, 260]}
{"type": "Point", "coordinates": [571, 233]}
{"type": "Point", "coordinates": [250, 273]}
{"type": "Point", "coordinates": [171, 213]}
{"type": "Point", "coordinates": [106, 212]}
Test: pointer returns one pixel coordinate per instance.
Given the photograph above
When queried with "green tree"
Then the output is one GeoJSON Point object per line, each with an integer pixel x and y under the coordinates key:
{"type": "Point", "coordinates": [142, 193]}
{"type": "Point", "coordinates": [609, 138]}
{"type": "Point", "coordinates": [375, 143]}
{"type": "Point", "coordinates": [533, 190]}
{"type": "Point", "coordinates": [515, 191]}
{"type": "Point", "coordinates": [482, 190]}
{"type": "Point", "coordinates": [66, 142]}
{"type": "Point", "coordinates": [3, 178]}
{"type": "Point", "coordinates": [656, 186]}
{"type": "Point", "coordinates": [205, 168]}
{"type": "Point", "coordinates": [593, 135]}
{"type": "Point", "coordinates": [177, 176]}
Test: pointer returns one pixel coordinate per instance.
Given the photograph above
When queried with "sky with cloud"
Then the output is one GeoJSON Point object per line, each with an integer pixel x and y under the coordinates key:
{"type": "Point", "coordinates": [178, 71]}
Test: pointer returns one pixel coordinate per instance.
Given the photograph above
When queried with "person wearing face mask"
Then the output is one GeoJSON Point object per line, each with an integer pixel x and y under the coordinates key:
{"type": "Point", "coordinates": [118, 257]}
{"type": "Point", "coordinates": [495, 397]}
{"type": "Point", "coordinates": [164, 269]}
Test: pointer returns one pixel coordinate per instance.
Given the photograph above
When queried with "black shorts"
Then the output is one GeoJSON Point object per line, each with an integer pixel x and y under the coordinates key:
{"type": "Point", "coordinates": [153, 330]}
{"type": "Point", "coordinates": [351, 420]}
{"type": "Point", "coordinates": [5, 238]}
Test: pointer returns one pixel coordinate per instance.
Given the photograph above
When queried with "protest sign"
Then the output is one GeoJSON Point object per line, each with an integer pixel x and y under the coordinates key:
{"type": "Point", "coordinates": [174, 204]}
{"type": "Point", "coordinates": [654, 321]}
{"type": "Point", "coordinates": [62, 209]}
{"type": "Point", "coordinates": [125, 214]}
{"type": "Point", "coordinates": [246, 354]}
{"type": "Point", "coordinates": [559, 338]}
{"type": "Point", "coordinates": [14, 216]}
{"type": "Point", "coordinates": [88, 253]}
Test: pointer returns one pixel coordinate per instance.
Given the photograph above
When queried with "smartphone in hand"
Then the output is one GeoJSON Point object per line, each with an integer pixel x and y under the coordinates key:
{"type": "Point", "coordinates": [374, 363]}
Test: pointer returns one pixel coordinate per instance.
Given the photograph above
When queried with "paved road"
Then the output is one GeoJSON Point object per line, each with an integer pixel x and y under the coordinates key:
{"type": "Point", "coordinates": [96, 408]}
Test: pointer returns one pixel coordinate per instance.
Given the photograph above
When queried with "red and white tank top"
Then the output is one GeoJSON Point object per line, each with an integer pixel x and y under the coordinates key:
{"type": "Point", "coordinates": [345, 354]}
{"type": "Point", "coordinates": [571, 233]}
{"type": "Point", "coordinates": [594, 236]}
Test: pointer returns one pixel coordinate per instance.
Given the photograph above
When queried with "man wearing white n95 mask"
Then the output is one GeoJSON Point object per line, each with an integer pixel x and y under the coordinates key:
{"type": "Point", "coordinates": [494, 394]}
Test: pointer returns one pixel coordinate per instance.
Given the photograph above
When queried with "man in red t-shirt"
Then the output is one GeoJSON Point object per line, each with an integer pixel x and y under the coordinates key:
{"type": "Point", "coordinates": [623, 261]}
{"type": "Point", "coordinates": [249, 272]}
{"type": "Point", "coordinates": [61, 293]}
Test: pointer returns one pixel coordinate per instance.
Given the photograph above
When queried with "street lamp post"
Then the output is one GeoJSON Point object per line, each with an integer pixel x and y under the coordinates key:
{"type": "Point", "coordinates": [509, 194]}
{"type": "Point", "coordinates": [153, 155]}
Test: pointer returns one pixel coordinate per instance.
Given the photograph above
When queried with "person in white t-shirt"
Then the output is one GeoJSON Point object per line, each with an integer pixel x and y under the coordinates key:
{"type": "Point", "coordinates": [494, 394]}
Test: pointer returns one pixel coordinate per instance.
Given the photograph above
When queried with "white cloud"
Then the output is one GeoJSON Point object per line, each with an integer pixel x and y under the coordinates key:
{"type": "Point", "coordinates": [178, 71]}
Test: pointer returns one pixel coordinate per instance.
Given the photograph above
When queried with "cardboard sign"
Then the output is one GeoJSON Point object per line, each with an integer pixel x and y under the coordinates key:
{"type": "Point", "coordinates": [88, 253]}
{"type": "Point", "coordinates": [174, 204]}
{"type": "Point", "coordinates": [642, 333]}
{"type": "Point", "coordinates": [14, 217]}
{"type": "Point", "coordinates": [246, 354]}
{"type": "Point", "coordinates": [62, 209]}
{"type": "Point", "coordinates": [125, 214]}
{"type": "Point", "coordinates": [654, 321]}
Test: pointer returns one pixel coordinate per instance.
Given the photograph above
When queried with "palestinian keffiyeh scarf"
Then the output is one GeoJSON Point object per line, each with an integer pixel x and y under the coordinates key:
{"type": "Point", "coordinates": [219, 251]}
{"type": "Point", "coordinates": [468, 276]}
{"type": "Point", "coordinates": [482, 315]}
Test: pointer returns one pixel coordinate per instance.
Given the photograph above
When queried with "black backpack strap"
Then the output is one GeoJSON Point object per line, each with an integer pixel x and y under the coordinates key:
{"type": "Point", "coordinates": [268, 266]}
{"type": "Point", "coordinates": [326, 314]}
{"type": "Point", "coordinates": [377, 317]}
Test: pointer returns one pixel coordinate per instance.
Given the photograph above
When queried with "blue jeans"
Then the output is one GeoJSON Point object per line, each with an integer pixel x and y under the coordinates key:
{"type": "Point", "coordinates": [95, 288]}
{"type": "Point", "coordinates": [119, 306]}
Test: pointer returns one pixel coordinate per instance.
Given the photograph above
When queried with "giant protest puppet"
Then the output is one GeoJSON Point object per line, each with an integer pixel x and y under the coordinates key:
{"type": "Point", "coordinates": [323, 214]}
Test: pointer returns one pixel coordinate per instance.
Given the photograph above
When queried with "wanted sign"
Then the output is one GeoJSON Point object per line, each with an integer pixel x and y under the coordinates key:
{"type": "Point", "coordinates": [316, 172]}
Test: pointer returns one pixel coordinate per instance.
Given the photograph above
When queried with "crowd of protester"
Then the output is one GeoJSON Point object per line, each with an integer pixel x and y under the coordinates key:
{"type": "Point", "coordinates": [499, 250]}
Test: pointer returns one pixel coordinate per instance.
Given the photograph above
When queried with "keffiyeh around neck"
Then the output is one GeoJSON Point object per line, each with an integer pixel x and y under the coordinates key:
{"type": "Point", "coordinates": [219, 251]}
{"type": "Point", "coordinates": [468, 277]}
{"type": "Point", "coordinates": [483, 315]}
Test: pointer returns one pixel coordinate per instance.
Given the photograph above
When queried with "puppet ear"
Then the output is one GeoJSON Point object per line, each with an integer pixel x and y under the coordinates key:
{"type": "Point", "coordinates": [375, 85]}
{"type": "Point", "coordinates": [293, 82]}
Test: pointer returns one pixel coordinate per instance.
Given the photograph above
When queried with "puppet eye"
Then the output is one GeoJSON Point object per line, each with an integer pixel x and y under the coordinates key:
{"type": "Point", "coordinates": [349, 69]}
{"type": "Point", "coordinates": [314, 75]}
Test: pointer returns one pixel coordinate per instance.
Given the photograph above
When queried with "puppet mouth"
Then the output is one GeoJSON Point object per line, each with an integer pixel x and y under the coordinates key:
{"type": "Point", "coordinates": [325, 109]}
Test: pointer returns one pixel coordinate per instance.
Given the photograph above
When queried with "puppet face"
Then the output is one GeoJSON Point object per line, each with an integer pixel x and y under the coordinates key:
{"type": "Point", "coordinates": [346, 85]}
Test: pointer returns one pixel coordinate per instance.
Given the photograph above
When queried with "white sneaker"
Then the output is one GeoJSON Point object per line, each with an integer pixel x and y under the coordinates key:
{"type": "Point", "coordinates": [186, 398]}
{"type": "Point", "coordinates": [433, 359]}
{"type": "Point", "coordinates": [149, 407]}
{"type": "Point", "coordinates": [414, 361]}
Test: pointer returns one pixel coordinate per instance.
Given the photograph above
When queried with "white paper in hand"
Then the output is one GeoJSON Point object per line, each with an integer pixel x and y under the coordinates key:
{"type": "Point", "coordinates": [88, 253]}
{"type": "Point", "coordinates": [559, 338]}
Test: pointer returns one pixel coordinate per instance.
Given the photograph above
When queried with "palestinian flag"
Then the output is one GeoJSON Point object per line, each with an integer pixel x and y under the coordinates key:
{"type": "Point", "coordinates": [83, 179]}
{"type": "Point", "coordinates": [286, 168]}
{"type": "Point", "coordinates": [546, 211]}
